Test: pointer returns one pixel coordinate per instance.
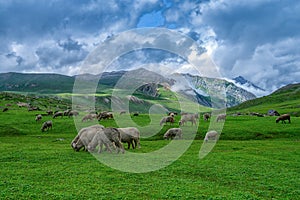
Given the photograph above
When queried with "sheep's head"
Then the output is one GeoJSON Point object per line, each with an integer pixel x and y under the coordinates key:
{"type": "Point", "coordinates": [181, 122]}
{"type": "Point", "coordinates": [76, 146]}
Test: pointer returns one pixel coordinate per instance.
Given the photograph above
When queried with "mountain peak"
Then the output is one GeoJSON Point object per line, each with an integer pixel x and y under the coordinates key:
{"type": "Point", "coordinates": [247, 85]}
{"type": "Point", "coordinates": [241, 80]}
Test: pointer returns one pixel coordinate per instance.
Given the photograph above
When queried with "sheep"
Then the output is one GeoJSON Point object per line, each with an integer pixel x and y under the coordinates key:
{"type": "Point", "coordinates": [46, 125]}
{"type": "Point", "coordinates": [187, 117]}
{"type": "Point", "coordinates": [211, 135]}
{"type": "Point", "coordinates": [130, 135]}
{"type": "Point", "coordinates": [89, 117]}
{"type": "Point", "coordinates": [206, 116]}
{"type": "Point", "coordinates": [66, 112]}
{"type": "Point", "coordinates": [49, 112]}
{"type": "Point", "coordinates": [59, 113]}
{"type": "Point", "coordinates": [283, 117]}
{"type": "Point", "coordinates": [73, 113]}
{"type": "Point", "coordinates": [84, 137]}
{"type": "Point", "coordinates": [171, 114]}
{"type": "Point", "coordinates": [174, 113]}
{"type": "Point", "coordinates": [108, 137]}
{"type": "Point", "coordinates": [5, 109]}
{"type": "Point", "coordinates": [38, 118]}
{"type": "Point", "coordinates": [166, 119]}
{"type": "Point", "coordinates": [105, 115]}
{"type": "Point", "coordinates": [221, 117]}
{"type": "Point", "coordinates": [122, 112]}
{"type": "Point", "coordinates": [135, 114]}
{"type": "Point", "coordinates": [172, 133]}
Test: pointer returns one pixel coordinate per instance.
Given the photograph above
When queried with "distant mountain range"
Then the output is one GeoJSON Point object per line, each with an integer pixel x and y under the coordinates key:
{"type": "Point", "coordinates": [196, 88]}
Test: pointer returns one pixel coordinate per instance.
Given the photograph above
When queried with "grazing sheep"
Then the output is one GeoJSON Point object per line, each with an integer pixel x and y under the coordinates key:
{"type": "Point", "coordinates": [59, 113]}
{"type": "Point", "coordinates": [130, 135]}
{"type": "Point", "coordinates": [73, 113]}
{"type": "Point", "coordinates": [89, 117]}
{"type": "Point", "coordinates": [122, 112]}
{"type": "Point", "coordinates": [206, 116]}
{"type": "Point", "coordinates": [38, 118]}
{"type": "Point", "coordinates": [167, 119]}
{"type": "Point", "coordinates": [221, 117]}
{"type": "Point", "coordinates": [108, 137]}
{"type": "Point", "coordinates": [186, 118]}
{"type": "Point", "coordinates": [172, 133]}
{"type": "Point", "coordinates": [211, 135]}
{"type": "Point", "coordinates": [49, 112]}
{"type": "Point", "coordinates": [33, 108]}
{"type": "Point", "coordinates": [283, 117]}
{"type": "Point", "coordinates": [105, 115]}
{"type": "Point", "coordinates": [46, 125]}
{"type": "Point", "coordinates": [85, 136]}
{"type": "Point", "coordinates": [66, 112]}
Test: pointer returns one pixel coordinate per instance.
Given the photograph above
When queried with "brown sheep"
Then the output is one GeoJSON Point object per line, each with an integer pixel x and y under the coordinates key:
{"type": "Point", "coordinates": [58, 114]}
{"type": "Point", "coordinates": [206, 116]}
{"type": "Point", "coordinates": [284, 117]}
{"type": "Point", "coordinates": [105, 115]}
{"type": "Point", "coordinates": [73, 113]}
{"type": "Point", "coordinates": [167, 119]}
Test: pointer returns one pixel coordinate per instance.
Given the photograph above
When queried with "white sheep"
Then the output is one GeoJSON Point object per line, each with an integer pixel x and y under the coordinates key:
{"type": "Point", "coordinates": [186, 118]}
{"type": "Point", "coordinates": [211, 135]}
{"type": "Point", "coordinates": [221, 117]}
{"type": "Point", "coordinates": [108, 137]}
{"type": "Point", "coordinates": [172, 133]}
{"type": "Point", "coordinates": [130, 135]}
{"type": "Point", "coordinates": [84, 137]}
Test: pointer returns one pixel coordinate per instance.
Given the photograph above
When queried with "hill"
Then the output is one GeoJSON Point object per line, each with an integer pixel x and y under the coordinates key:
{"type": "Point", "coordinates": [284, 100]}
{"type": "Point", "coordinates": [194, 88]}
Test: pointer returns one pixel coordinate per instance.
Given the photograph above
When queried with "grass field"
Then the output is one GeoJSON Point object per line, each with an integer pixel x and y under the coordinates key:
{"type": "Point", "coordinates": [255, 158]}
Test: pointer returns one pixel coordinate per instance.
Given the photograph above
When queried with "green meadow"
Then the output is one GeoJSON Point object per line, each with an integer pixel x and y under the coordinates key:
{"type": "Point", "coordinates": [255, 158]}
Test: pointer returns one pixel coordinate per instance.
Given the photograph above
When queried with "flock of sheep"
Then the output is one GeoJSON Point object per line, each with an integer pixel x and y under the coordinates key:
{"type": "Point", "coordinates": [94, 137]}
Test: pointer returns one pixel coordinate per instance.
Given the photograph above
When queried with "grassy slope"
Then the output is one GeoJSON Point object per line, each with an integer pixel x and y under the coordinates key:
{"type": "Point", "coordinates": [284, 100]}
{"type": "Point", "coordinates": [43, 165]}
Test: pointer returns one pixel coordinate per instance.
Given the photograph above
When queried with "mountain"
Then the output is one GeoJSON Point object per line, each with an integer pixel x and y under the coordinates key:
{"type": "Point", "coordinates": [42, 83]}
{"type": "Point", "coordinates": [204, 87]}
{"type": "Point", "coordinates": [249, 86]}
{"type": "Point", "coordinates": [148, 83]}
{"type": "Point", "coordinates": [284, 100]}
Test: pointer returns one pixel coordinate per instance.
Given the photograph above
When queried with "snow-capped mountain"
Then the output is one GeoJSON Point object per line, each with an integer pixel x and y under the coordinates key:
{"type": "Point", "coordinates": [203, 89]}
{"type": "Point", "coordinates": [249, 86]}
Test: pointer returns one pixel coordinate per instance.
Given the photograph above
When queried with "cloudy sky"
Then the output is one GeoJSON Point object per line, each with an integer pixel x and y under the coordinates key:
{"type": "Point", "coordinates": [257, 39]}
